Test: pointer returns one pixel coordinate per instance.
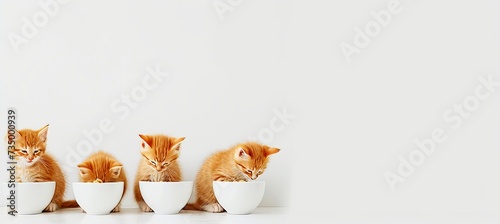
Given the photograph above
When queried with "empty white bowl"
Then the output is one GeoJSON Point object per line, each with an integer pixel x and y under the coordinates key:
{"type": "Point", "coordinates": [239, 198]}
{"type": "Point", "coordinates": [166, 197]}
{"type": "Point", "coordinates": [98, 198]}
{"type": "Point", "coordinates": [34, 197]}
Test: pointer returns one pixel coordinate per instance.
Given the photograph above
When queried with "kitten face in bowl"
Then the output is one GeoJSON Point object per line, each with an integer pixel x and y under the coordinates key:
{"type": "Point", "coordinates": [102, 167]}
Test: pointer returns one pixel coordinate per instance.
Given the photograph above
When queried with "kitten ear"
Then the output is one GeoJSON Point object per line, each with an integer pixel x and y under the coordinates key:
{"type": "Point", "coordinates": [42, 133]}
{"type": "Point", "coordinates": [16, 135]}
{"type": "Point", "coordinates": [83, 171]}
{"type": "Point", "coordinates": [177, 143]}
{"type": "Point", "coordinates": [240, 153]}
{"type": "Point", "coordinates": [147, 139]}
{"type": "Point", "coordinates": [115, 171]}
{"type": "Point", "coordinates": [270, 151]}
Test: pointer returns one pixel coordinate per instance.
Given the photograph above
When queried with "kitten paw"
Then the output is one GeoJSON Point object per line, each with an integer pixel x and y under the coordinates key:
{"type": "Point", "coordinates": [214, 207]}
{"type": "Point", "coordinates": [116, 209]}
{"type": "Point", "coordinates": [144, 207]}
{"type": "Point", "coordinates": [51, 207]}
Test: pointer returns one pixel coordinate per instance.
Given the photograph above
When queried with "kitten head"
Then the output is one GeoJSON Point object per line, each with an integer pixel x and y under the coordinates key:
{"type": "Point", "coordinates": [251, 158]}
{"type": "Point", "coordinates": [160, 150]}
{"type": "Point", "coordinates": [30, 145]}
{"type": "Point", "coordinates": [100, 168]}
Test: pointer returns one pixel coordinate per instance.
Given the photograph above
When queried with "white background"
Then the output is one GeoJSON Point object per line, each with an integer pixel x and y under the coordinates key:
{"type": "Point", "coordinates": [352, 120]}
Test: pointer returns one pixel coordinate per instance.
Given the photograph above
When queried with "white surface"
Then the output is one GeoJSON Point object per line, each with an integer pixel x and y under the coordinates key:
{"type": "Point", "coordinates": [166, 197]}
{"type": "Point", "coordinates": [33, 198]}
{"type": "Point", "coordinates": [98, 198]}
{"type": "Point", "coordinates": [353, 121]}
{"type": "Point", "coordinates": [239, 197]}
{"type": "Point", "coordinates": [264, 215]}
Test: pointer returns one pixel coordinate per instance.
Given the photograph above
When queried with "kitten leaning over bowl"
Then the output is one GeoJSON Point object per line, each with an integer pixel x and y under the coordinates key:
{"type": "Point", "coordinates": [241, 162]}
{"type": "Point", "coordinates": [102, 167]}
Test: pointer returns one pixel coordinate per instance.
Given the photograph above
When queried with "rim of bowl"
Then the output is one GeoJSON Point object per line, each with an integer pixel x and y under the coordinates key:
{"type": "Point", "coordinates": [167, 182]}
{"type": "Point", "coordinates": [249, 182]}
{"type": "Point", "coordinates": [82, 183]}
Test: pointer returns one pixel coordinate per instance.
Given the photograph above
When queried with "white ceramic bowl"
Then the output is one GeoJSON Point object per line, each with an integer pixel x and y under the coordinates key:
{"type": "Point", "coordinates": [239, 197]}
{"type": "Point", "coordinates": [166, 197]}
{"type": "Point", "coordinates": [98, 198]}
{"type": "Point", "coordinates": [34, 197]}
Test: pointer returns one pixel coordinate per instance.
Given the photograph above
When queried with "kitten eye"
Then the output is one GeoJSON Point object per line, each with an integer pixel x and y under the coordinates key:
{"type": "Point", "coordinates": [24, 151]}
{"type": "Point", "coordinates": [166, 164]}
{"type": "Point", "coordinates": [153, 162]}
{"type": "Point", "coordinates": [260, 172]}
{"type": "Point", "coordinates": [36, 151]}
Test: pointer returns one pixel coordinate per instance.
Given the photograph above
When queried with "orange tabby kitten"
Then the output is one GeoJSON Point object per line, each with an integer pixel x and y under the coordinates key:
{"type": "Point", "coordinates": [101, 167]}
{"type": "Point", "coordinates": [242, 162]}
{"type": "Point", "coordinates": [35, 165]}
{"type": "Point", "coordinates": [159, 163]}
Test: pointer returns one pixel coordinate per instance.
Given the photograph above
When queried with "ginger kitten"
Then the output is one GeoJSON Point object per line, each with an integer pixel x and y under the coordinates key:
{"type": "Point", "coordinates": [158, 163]}
{"type": "Point", "coordinates": [102, 167]}
{"type": "Point", "coordinates": [243, 162]}
{"type": "Point", "coordinates": [34, 164]}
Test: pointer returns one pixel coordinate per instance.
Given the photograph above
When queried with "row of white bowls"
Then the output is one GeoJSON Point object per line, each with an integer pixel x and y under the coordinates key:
{"type": "Point", "coordinates": [162, 197]}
